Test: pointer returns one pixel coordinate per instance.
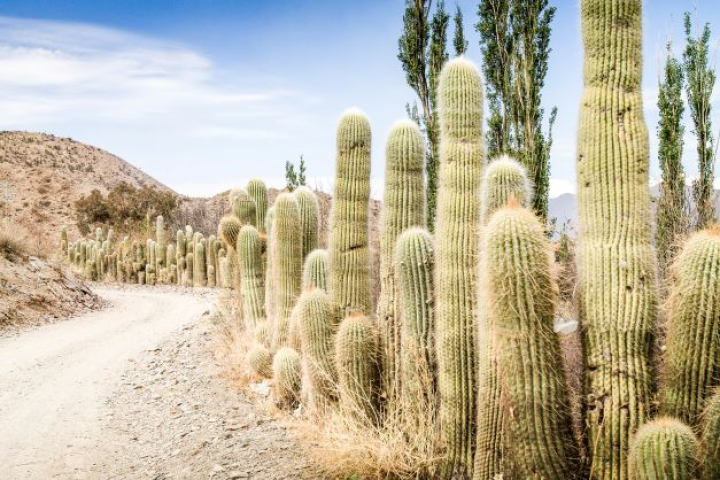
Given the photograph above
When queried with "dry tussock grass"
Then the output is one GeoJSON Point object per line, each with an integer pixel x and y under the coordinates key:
{"type": "Point", "coordinates": [15, 240]}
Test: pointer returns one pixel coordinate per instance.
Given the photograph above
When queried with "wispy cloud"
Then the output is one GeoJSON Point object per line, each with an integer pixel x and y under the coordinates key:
{"type": "Point", "coordinates": [57, 71]}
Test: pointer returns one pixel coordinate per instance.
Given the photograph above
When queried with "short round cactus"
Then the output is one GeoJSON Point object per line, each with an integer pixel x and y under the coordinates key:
{"type": "Point", "coordinates": [229, 229]}
{"type": "Point", "coordinates": [315, 270]}
{"type": "Point", "coordinates": [663, 449]}
{"type": "Point", "coordinates": [287, 373]}
{"type": "Point", "coordinates": [260, 361]}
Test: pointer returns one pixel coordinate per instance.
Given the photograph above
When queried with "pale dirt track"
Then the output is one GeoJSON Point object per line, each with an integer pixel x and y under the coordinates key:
{"type": "Point", "coordinates": [103, 396]}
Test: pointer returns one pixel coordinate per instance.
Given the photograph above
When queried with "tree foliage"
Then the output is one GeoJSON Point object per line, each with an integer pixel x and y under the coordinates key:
{"type": "Point", "coordinates": [125, 207]}
{"type": "Point", "coordinates": [672, 215]}
{"type": "Point", "coordinates": [700, 82]}
{"type": "Point", "coordinates": [515, 45]}
{"type": "Point", "coordinates": [422, 53]}
{"type": "Point", "coordinates": [295, 178]}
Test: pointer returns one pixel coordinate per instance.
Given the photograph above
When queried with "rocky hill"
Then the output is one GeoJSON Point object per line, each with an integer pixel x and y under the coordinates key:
{"type": "Point", "coordinates": [42, 175]}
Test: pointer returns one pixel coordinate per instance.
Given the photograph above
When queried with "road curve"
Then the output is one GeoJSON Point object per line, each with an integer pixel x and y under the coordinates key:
{"type": "Point", "coordinates": [53, 379]}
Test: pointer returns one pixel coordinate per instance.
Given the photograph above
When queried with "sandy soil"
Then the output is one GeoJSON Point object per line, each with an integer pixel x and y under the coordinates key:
{"type": "Point", "coordinates": [132, 391]}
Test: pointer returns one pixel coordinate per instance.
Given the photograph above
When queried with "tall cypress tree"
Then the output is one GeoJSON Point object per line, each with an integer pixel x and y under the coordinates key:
{"type": "Point", "coordinates": [422, 53]}
{"type": "Point", "coordinates": [700, 83]}
{"type": "Point", "coordinates": [460, 43]}
{"type": "Point", "coordinates": [672, 214]}
{"type": "Point", "coordinates": [515, 45]}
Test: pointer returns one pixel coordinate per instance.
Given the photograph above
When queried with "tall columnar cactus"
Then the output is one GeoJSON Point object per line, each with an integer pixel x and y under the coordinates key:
{"type": "Point", "coordinates": [403, 207]}
{"type": "Point", "coordinates": [258, 191]}
{"type": "Point", "coordinates": [460, 103]}
{"type": "Point", "coordinates": [180, 243]}
{"type": "Point", "coordinates": [269, 265]}
{"type": "Point", "coordinates": [228, 230]}
{"type": "Point", "coordinates": [663, 449]}
{"type": "Point", "coordinates": [288, 264]}
{"type": "Point", "coordinates": [170, 255]}
{"type": "Point", "coordinates": [617, 273]}
{"type": "Point", "coordinates": [243, 207]}
{"type": "Point", "coordinates": [317, 320]}
{"type": "Point", "coordinates": [692, 358]}
{"type": "Point", "coordinates": [189, 270]}
{"type": "Point", "coordinates": [287, 372]}
{"type": "Point", "coordinates": [520, 295]}
{"type": "Point", "coordinates": [309, 218]}
{"type": "Point", "coordinates": [315, 270]}
{"type": "Point", "coordinates": [211, 258]}
{"type": "Point", "coordinates": [356, 362]}
{"type": "Point", "coordinates": [504, 180]}
{"type": "Point", "coordinates": [710, 458]}
{"type": "Point", "coordinates": [199, 275]}
{"type": "Point", "coordinates": [414, 276]}
{"type": "Point", "coordinates": [349, 255]}
{"type": "Point", "coordinates": [226, 272]}
{"type": "Point", "coordinates": [252, 282]}
{"type": "Point", "coordinates": [159, 240]}
{"type": "Point", "coordinates": [64, 241]}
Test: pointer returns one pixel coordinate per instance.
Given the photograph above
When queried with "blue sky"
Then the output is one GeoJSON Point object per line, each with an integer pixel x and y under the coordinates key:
{"type": "Point", "coordinates": [206, 94]}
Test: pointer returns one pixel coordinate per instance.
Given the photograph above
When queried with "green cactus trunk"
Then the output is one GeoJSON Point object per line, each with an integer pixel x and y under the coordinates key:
{"type": "Point", "coordinates": [199, 275]}
{"type": "Point", "coordinates": [211, 257]}
{"type": "Point", "coordinates": [189, 269]}
{"type": "Point", "coordinates": [519, 296]}
{"type": "Point", "coordinates": [316, 324]}
{"type": "Point", "coordinates": [159, 240]}
{"type": "Point", "coordinates": [356, 363]}
{"type": "Point", "coordinates": [288, 264]}
{"type": "Point", "coordinates": [287, 373]}
{"type": "Point", "coordinates": [243, 207]}
{"type": "Point", "coordinates": [252, 283]}
{"type": "Point", "coordinates": [309, 219]}
{"type": "Point", "coordinates": [403, 207]}
{"type": "Point", "coordinates": [710, 458]}
{"type": "Point", "coordinates": [504, 179]}
{"type": "Point", "coordinates": [349, 255]}
{"type": "Point", "coordinates": [315, 270]}
{"type": "Point", "coordinates": [414, 274]}
{"type": "Point", "coordinates": [692, 357]}
{"type": "Point", "coordinates": [258, 191]}
{"type": "Point", "coordinates": [616, 260]}
{"type": "Point", "coordinates": [260, 361]}
{"type": "Point", "coordinates": [664, 449]}
{"type": "Point", "coordinates": [269, 265]}
{"type": "Point", "coordinates": [461, 163]}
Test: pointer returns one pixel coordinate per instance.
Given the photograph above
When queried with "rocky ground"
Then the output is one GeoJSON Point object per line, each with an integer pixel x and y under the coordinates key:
{"type": "Point", "coordinates": [174, 416]}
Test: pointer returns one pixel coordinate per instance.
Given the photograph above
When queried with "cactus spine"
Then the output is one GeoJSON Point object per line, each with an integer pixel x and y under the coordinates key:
{"type": "Point", "coordinates": [260, 361]}
{"type": "Point", "coordinates": [520, 293]}
{"type": "Point", "coordinates": [316, 323]}
{"type": "Point", "coordinates": [403, 207]}
{"type": "Point", "coordinates": [244, 207]}
{"type": "Point", "coordinates": [315, 270]}
{"type": "Point", "coordinates": [692, 358]}
{"type": "Point", "coordinates": [228, 230]}
{"type": "Point", "coordinates": [461, 162]}
{"type": "Point", "coordinates": [258, 192]}
{"type": "Point", "coordinates": [349, 260]}
{"type": "Point", "coordinates": [252, 280]}
{"type": "Point", "coordinates": [663, 449]}
{"type": "Point", "coordinates": [504, 179]}
{"type": "Point", "coordinates": [711, 439]}
{"type": "Point", "coordinates": [288, 264]}
{"type": "Point", "coordinates": [287, 372]}
{"type": "Point", "coordinates": [356, 355]}
{"type": "Point", "coordinates": [309, 218]}
{"type": "Point", "coordinates": [617, 272]}
{"type": "Point", "coordinates": [414, 275]}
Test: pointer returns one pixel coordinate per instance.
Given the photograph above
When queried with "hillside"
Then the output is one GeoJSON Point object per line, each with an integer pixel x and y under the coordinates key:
{"type": "Point", "coordinates": [48, 173]}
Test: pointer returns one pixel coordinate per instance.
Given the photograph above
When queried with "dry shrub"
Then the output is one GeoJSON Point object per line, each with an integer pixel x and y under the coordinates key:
{"type": "Point", "coordinates": [14, 240]}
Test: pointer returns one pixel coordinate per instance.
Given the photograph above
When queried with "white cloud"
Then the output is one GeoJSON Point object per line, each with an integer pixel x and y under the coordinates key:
{"type": "Point", "coordinates": [60, 72]}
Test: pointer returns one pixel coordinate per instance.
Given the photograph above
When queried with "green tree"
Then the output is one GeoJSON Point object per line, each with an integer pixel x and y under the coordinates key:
{"type": "Point", "coordinates": [700, 82]}
{"type": "Point", "coordinates": [515, 45]}
{"type": "Point", "coordinates": [295, 177]}
{"type": "Point", "coordinates": [461, 44]}
{"type": "Point", "coordinates": [672, 216]}
{"type": "Point", "coordinates": [422, 53]}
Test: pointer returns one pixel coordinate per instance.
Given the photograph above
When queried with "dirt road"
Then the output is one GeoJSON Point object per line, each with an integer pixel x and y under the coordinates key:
{"type": "Point", "coordinates": [85, 398]}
